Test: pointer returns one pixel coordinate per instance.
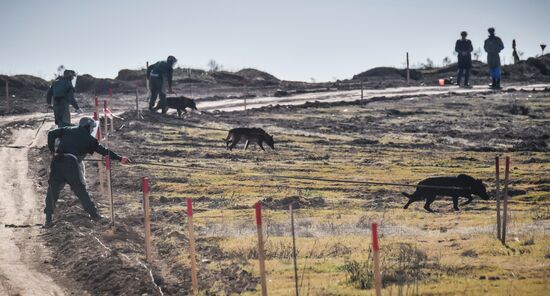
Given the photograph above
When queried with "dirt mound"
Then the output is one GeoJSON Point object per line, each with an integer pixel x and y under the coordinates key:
{"type": "Point", "coordinates": [90, 84]}
{"type": "Point", "coordinates": [130, 75]}
{"type": "Point", "coordinates": [24, 81]}
{"type": "Point", "coordinates": [229, 78]}
{"type": "Point", "coordinates": [258, 77]}
{"type": "Point", "coordinates": [388, 73]}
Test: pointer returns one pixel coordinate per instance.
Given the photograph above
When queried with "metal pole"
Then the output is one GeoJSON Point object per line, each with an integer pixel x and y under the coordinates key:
{"type": "Point", "coordinates": [361, 90]}
{"type": "Point", "coordinates": [294, 255]}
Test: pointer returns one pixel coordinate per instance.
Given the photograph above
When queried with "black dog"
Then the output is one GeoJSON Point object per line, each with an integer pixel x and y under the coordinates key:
{"type": "Point", "coordinates": [461, 185]}
{"type": "Point", "coordinates": [256, 135]}
{"type": "Point", "coordinates": [179, 103]}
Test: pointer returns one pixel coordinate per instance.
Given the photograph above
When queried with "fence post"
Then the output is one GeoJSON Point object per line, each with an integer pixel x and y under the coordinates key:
{"type": "Point", "coordinates": [146, 218]}
{"type": "Point", "coordinates": [8, 99]}
{"type": "Point", "coordinates": [408, 74]}
{"type": "Point", "coordinates": [361, 90]}
{"type": "Point", "coordinates": [376, 260]}
{"type": "Point", "coordinates": [194, 280]}
{"type": "Point", "coordinates": [100, 165]}
{"type": "Point", "coordinates": [261, 257]}
{"type": "Point", "coordinates": [294, 255]}
{"type": "Point", "coordinates": [505, 201]}
{"type": "Point", "coordinates": [497, 193]}
{"type": "Point", "coordinates": [111, 105]}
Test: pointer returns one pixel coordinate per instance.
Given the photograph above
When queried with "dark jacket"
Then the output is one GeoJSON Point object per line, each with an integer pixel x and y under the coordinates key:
{"type": "Point", "coordinates": [464, 49]}
{"type": "Point", "coordinates": [77, 141]}
{"type": "Point", "coordinates": [61, 91]}
{"type": "Point", "coordinates": [161, 69]}
{"type": "Point", "coordinates": [493, 45]}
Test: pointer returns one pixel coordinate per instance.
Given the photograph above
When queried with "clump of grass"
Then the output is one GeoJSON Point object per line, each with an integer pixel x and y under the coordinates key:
{"type": "Point", "coordinates": [404, 263]}
{"type": "Point", "coordinates": [469, 253]}
{"type": "Point", "coordinates": [359, 273]}
{"type": "Point", "coordinates": [529, 242]}
{"type": "Point", "coordinates": [542, 213]}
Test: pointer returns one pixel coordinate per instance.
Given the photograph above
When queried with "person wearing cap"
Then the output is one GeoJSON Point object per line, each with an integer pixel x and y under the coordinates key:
{"type": "Point", "coordinates": [464, 48]}
{"type": "Point", "coordinates": [493, 46]}
{"type": "Point", "coordinates": [158, 74]}
{"type": "Point", "coordinates": [67, 166]}
{"type": "Point", "coordinates": [61, 94]}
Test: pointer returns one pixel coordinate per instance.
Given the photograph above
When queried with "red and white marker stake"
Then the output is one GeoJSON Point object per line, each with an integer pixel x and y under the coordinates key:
{"type": "Point", "coordinates": [376, 260]}
{"type": "Point", "coordinates": [111, 104]}
{"type": "Point", "coordinates": [106, 119]}
{"type": "Point", "coordinates": [505, 196]}
{"type": "Point", "coordinates": [261, 254]}
{"type": "Point", "coordinates": [194, 279]}
{"type": "Point", "coordinates": [147, 218]}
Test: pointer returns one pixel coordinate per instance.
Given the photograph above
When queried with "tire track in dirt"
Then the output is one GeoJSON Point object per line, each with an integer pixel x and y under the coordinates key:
{"type": "Point", "coordinates": [21, 249]}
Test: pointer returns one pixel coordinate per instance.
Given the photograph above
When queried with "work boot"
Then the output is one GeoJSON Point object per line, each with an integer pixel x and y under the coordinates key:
{"type": "Point", "coordinates": [96, 217]}
{"type": "Point", "coordinates": [164, 109]}
{"type": "Point", "coordinates": [49, 221]}
{"type": "Point", "coordinates": [494, 84]}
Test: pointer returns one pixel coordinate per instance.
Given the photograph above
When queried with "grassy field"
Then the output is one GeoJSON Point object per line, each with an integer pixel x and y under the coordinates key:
{"type": "Point", "coordinates": [443, 253]}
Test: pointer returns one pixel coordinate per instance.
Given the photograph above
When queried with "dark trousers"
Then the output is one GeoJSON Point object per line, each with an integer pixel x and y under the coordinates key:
{"type": "Point", "coordinates": [466, 72]}
{"type": "Point", "coordinates": [61, 114]}
{"type": "Point", "coordinates": [66, 169]}
{"type": "Point", "coordinates": [157, 90]}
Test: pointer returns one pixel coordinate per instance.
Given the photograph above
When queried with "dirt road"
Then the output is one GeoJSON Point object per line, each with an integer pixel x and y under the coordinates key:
{"type": "Point", "coordinates": [21, 250]}
{"type": "Point", "coordinates": [351, 95]}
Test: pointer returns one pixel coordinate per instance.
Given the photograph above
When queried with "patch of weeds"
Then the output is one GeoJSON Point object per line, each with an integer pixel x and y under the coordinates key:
{"type": "Point", "coordinates": [542, 213]}
{"type": "Point", "coordinates": [469, 253]}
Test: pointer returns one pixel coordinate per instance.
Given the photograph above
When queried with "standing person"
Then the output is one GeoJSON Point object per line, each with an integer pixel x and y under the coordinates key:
{"type": "Point", "coordinates": [493, 45]}
{"type": "Point", "coordinates": [464, 48]}
{"type": "Point", "coordinates": [62, 92]}
{"type": "Point", "coordinates": [157, 74]}
{"type": "Point", "coordinates": [67, 166]}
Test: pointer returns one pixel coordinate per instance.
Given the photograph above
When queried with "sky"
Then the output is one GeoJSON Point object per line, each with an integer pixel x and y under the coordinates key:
{"type": "Point", "coordinates": [291, 39]}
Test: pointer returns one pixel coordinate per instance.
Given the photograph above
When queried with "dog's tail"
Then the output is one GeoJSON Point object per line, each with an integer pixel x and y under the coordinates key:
{"type": "Point", "coordinates": [406, 194]}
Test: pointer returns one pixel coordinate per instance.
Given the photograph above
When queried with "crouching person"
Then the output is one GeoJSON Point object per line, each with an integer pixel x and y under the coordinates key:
{"type": "Point", "coordinates": [67, 166]}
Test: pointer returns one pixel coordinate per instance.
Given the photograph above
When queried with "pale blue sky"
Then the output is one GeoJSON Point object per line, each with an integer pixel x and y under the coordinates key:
{"type": "Point", "coordinates": [292, 39]}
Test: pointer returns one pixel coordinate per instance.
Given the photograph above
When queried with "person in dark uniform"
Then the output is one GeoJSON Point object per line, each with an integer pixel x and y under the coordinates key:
{"type": "Point", "coordinates": [158, 74]}
{"type": "Point", "coordinates": [493, 46]}
{"type": "Point", "coordinates": [67, 166]}
{"type": "Point", "coordinates": [62, 94]}
{"type": "Point", "coordinates": [464, 48]}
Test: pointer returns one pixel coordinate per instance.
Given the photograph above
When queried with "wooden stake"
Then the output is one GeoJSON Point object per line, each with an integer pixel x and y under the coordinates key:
{"type": "Point", "coordinates": [408, 74]}
{"type": "Point", "coordinates": [361, 91]}
{"type": "Point", "coordinates": [109, 188]}
{"type": "Point", "coordinates": [497, 193]}
{"type": "Point", "coordinates": [105, 119]}
{"type": "Point", "coordinates": [294, 248]}
{"type": "Point", "coordinates": [137, 104]}
{"type": "Point", "coordinates": [261, 256]}
{"type": "Point", "coordinates": [147, 218]}
{"type": "Point", "coordinates": [194, 280]}
{"type": "Point", "coordinates": [146, 78]}
{"type": "Point", "coordinates": [8, 99]}
{"type": "Point", "coordinates": [376, 260]}
{"type": "Point", "coordinates": [505, 197]}
{"type": "Point", "coordinates": [100, 165]}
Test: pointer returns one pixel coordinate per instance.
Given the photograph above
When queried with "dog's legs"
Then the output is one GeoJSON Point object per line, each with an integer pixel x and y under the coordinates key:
{"type": "Point", "coordinates": [409, 203]}
{"type": "Point", "coordinates": [429, 200]}
{"type": "Point", "coordinates": [455, 203]}
{"type": "Point", "coordinates": [260, 144]}
{"type": "Point", "coordinates": [246, 144]}
{"type": "Point", "coordinates": [470, 198]}
{"type": "Point", "coordinates": [234, 142]}
{"type": "Point", "coordinates": [179, 112]}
